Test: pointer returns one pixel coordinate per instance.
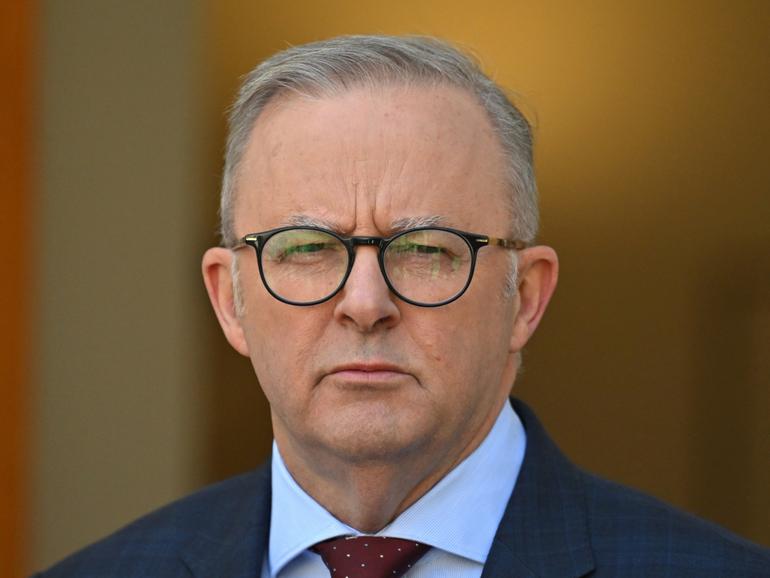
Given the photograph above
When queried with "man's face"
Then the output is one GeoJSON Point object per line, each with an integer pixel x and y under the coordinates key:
{"type": "Point", "coordinates": [366, 376]}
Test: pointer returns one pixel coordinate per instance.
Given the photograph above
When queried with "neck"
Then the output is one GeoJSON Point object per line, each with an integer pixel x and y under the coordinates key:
{"type": "Point", "coordinates": [369, 494]}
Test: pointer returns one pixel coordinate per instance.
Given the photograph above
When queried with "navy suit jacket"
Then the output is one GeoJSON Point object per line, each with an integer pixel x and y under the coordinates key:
{"type": "Point", "coordinates": [560, 522]}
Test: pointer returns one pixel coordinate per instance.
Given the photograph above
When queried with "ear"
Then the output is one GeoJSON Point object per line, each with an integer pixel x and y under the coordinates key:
{"type": "Point", "coordinates": [216, 268]}
{"type": "Point", "coordinates": [538, 271]}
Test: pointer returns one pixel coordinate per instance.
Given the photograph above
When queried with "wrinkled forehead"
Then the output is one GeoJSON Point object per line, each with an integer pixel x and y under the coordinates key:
{"type": "Point", "coordinates": [373, 155]}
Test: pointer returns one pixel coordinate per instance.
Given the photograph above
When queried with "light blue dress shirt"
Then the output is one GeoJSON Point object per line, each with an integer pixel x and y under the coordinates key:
{"type": "Point", "coordinates": [458, 517]}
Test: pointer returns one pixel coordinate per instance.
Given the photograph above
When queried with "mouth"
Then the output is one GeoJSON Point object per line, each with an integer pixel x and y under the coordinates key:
{"type": "Point", "coordinates": [368, 374]}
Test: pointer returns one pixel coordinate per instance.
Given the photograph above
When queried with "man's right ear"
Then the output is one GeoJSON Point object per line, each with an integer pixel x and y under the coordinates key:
{"type": "Point", "coordinates": [217, 276]}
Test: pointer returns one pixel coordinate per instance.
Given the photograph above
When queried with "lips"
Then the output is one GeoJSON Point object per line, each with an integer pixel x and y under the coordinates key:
{"type": "Point", "coordinates": [368, 367]}
{"type": "Point", "coordinates": [368, 373]}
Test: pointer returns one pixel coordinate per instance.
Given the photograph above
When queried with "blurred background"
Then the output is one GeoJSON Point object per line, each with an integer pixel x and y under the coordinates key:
{"type": "Point", "coordinates": [119, 394]}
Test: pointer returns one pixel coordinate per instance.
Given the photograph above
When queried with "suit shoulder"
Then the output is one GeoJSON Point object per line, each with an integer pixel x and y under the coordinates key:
{"type": "Point", "coordinates": [626, 520]}
{"type": "Point", "coordinates": [152, 544]}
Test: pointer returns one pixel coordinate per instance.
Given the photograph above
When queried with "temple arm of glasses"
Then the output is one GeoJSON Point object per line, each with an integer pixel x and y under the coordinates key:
{"type": "Point", "coordinates": [242, 242]}
{"type": "Point", "coordinates": [507, 243]}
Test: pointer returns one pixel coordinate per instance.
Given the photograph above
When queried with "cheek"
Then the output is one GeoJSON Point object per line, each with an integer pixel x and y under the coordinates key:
{"type": "Point", "coordinates": [282, 343]}
{"type": "Point", "coordinates": [462, 347]}
{"type": "Point", "coordinates": [441, 346]}
{"type": "Point", "coordinates": [432, 344]}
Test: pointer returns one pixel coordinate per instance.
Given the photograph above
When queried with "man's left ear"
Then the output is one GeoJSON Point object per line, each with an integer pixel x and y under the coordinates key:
{"type": "Point", "coordinates": [538, 271]}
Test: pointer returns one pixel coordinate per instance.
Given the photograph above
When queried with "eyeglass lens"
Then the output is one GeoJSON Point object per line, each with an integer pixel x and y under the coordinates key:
{"type": "Point", "coordinates": [426, 266]}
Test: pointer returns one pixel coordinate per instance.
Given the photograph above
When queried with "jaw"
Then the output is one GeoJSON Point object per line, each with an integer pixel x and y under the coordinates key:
{"type": "Point", "coordinates": [372, 475]}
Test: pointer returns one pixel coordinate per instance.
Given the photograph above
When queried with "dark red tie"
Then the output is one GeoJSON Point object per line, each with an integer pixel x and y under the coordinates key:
{"type": "Point", "coordinates": [369, 556]}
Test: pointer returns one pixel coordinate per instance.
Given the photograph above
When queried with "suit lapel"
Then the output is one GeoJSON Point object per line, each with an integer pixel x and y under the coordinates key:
{"type": "Point", "coordinates": [234, 544]}
{"type": "Point", "coordinates": [544, 531]}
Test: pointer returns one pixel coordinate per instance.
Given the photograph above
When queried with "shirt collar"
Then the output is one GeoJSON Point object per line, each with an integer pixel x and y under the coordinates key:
{"type": "Point", "coordinates": [460, 514]}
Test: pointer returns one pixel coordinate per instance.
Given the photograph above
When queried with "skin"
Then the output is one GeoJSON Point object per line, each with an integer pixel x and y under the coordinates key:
{"type": "Point", "coordinates": [374, 400]}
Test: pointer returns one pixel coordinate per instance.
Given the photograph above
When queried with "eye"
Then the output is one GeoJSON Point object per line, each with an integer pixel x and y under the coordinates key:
{"type": "Point", "coordinates": [305, 252]}
{"type": "Point", "coordinates": [301, 246]}
{"type": "Point", "coordinates": [407, 247]}
{"type": "Point", "coordinates": [305, 248]}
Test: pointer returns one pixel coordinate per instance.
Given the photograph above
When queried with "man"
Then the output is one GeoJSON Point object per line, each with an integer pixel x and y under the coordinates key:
{"type": "Point", "coordinates": [379, 269]}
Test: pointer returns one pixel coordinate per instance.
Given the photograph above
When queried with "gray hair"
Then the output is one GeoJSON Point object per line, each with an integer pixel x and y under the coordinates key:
{"type": "Point", "coordinates": [332, 66]}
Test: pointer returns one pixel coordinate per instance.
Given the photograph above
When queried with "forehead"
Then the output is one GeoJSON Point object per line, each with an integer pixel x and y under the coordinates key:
{"type": "Point", "coordinates": [366, 158]}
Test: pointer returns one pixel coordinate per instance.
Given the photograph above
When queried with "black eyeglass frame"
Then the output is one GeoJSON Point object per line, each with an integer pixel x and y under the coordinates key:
{"type": "Point", "coordinates": [474, 241]}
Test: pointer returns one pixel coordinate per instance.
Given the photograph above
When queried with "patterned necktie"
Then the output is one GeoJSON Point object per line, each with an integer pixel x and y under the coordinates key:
{"type": "Point", "coordinates": [369, 556]}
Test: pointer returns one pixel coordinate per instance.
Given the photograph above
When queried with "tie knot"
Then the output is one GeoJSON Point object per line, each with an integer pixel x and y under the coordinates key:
{"type": "Point", "coordinates": [369, 556]}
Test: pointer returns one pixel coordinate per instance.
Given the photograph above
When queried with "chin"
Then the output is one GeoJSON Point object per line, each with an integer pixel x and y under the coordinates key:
{"type": "Point", "coordinates": [366, 436]}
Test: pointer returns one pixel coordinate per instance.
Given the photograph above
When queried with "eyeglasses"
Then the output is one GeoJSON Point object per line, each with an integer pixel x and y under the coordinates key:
{"type": "Point", "coordinates": [424, 266]}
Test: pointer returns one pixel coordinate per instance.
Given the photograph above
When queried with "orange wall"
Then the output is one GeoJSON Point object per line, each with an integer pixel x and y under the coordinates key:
{"type": "Point", "coordinates": [16, 109]}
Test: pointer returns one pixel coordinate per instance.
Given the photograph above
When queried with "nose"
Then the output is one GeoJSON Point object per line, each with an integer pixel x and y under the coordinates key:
{"type": "Point", "coordinates": [365, 301]}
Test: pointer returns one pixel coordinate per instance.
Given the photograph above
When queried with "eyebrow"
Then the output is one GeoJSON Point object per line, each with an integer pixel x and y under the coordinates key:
{"type": "Point", "coordinates": [308, 221]}
{"type": "Point", "coordinates": [405, 223]}
{"type": "Point", "coordinates": [396, 226]}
